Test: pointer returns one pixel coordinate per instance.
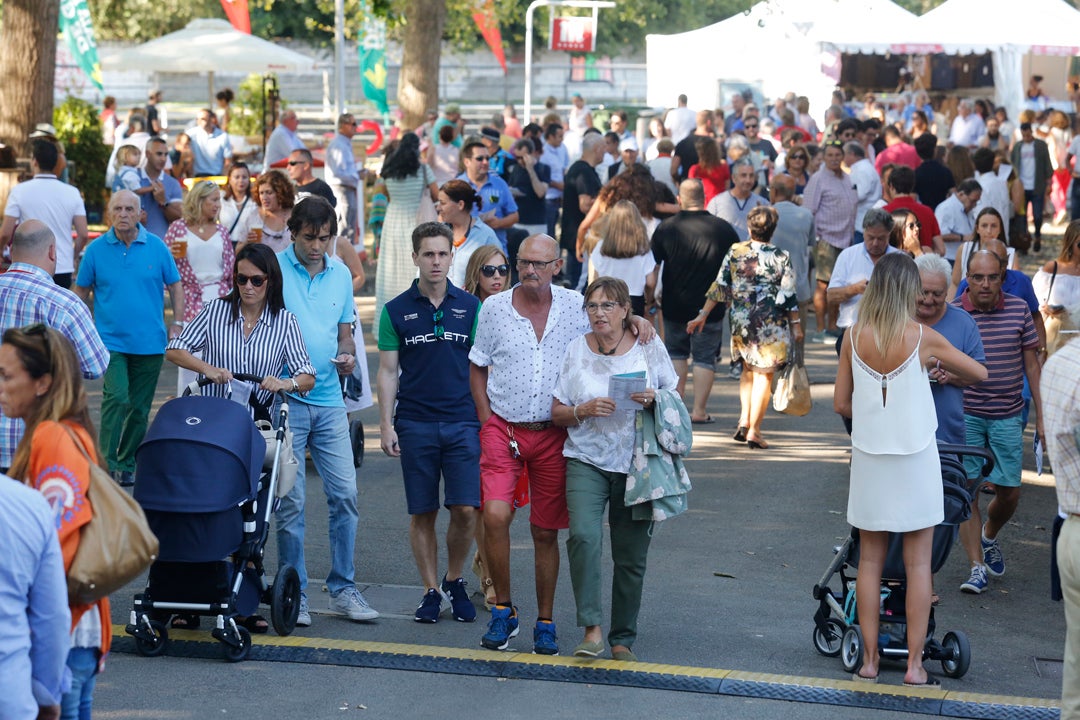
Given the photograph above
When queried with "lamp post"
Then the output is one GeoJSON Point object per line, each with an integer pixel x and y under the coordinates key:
{"type": "Point", "coordinates": [594, 4]}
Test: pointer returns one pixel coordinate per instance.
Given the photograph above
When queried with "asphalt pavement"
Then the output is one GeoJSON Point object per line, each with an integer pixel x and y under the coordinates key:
{"type": "Point", "coordinates": [727, 596]}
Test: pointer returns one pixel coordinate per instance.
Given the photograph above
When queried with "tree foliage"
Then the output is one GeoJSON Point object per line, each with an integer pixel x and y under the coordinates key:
{"type": "Point", "coordinates": [79, 128]}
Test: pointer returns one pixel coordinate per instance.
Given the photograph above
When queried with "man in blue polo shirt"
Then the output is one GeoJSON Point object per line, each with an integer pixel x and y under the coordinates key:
{"type": "Point", "coordinates": [128, 268]}
{"type": "Point", "coordinates": [497, 209]}
{"type": "Point", "coordinates": [426, 332]}
{"type": "Point", "coordinates": [161, 206]}
{"type": "Point", "coordinates": [318, 291]}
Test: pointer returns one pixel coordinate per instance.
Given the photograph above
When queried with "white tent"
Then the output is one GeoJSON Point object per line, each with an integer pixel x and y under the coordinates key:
{"type": "Point", "coordinates": [208, 45]}
{"type": "Point", "coordinates": [784, 45]}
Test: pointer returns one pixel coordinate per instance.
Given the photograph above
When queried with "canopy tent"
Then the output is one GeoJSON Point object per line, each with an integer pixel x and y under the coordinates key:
{"type": "Point", "coordinates": [785, 45]}
{"type": "Point", "coordinates": [208, 45]}
{"type": "Point", "coordinates": [1043, 27]}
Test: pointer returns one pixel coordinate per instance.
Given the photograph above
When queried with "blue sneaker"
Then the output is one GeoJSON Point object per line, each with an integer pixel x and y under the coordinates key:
{"type": "Point", "coordinates": [977, 582]}
{"type": "Point", "coordinates": [503, 626]}
{"type": "Point", "coordinates": [545, 641]}
{"type": "Point", "coordinates": [429, 608]}
{"type": "Point", "coordinates": [995, 561]}
{"type": "Point", "coordinates": [461, 606]}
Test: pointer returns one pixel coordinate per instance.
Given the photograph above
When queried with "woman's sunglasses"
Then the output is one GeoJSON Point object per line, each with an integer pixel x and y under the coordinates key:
{"type": "Point", "coordinates": [255, 280]}
{"type": "Point", "coordinates": [490, 270]}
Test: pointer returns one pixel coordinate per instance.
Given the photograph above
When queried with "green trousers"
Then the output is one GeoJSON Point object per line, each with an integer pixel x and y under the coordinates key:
{"type": "Point", "coordinates": [128, 392]}
{"type": "Point", "coordinates": [588, 490]}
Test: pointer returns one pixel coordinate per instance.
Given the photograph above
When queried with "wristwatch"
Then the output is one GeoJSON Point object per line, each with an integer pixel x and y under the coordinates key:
{"type": "Point", "coordinates": [295, 385]}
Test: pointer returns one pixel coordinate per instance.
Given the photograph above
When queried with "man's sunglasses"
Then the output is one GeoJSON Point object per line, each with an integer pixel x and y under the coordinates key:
{"type": "Point", "coordinates": [491, 270]}
{"type": "Point", "coordinates": [255, 280]}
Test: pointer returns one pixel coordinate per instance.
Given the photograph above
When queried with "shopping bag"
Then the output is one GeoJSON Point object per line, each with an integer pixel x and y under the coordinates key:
{"type": "Point", "coordinates": [792, 394]}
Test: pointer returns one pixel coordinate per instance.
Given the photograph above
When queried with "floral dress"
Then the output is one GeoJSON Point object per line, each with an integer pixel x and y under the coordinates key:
{"type": "Point", "coordinates": [758, 283]}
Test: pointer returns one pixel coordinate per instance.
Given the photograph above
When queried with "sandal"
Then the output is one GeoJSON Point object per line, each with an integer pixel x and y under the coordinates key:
{"type": "Point", "coordinates": [255, 624]}
{"type": "Point", "coordinates": [184, 622]}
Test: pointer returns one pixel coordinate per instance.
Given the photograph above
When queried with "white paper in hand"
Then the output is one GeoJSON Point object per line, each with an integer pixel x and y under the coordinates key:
{"type": "Point", "coordinates": [240, 392]}
{"type": "Point", "coordinates": [621, 386]}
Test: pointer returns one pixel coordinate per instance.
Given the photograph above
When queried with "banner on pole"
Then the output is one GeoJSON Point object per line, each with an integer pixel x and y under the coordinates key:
{"type": "Point", "coordinates": [575, 34]}
{"type": "Point", "coordinates": [488, 25]}
{"type": "Point", "coordinates": [237, 12]}
{"type": "Point", "coordinates": [78, 28]}
{"type": "Point", "coordinates": [372, 51]}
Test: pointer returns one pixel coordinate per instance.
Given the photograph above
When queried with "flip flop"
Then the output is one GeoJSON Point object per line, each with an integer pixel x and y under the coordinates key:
{"type": "Point", "coordinates": [255, 624]}
{"type": "Point", "coordinates": [708, 420]}
{"type": "Point", "coordinates": [931, 682]}
{"type": "Point", "coordinates": [856, 677]}
{"type": "Point", "coordinates": [184, 622]}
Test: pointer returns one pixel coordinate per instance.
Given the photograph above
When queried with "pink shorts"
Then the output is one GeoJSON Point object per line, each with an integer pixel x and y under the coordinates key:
{"type": "Point", "coordinates": [541, 456]}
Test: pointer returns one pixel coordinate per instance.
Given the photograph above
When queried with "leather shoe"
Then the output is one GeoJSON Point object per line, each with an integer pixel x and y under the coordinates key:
{"type": "Point", "coordinates": [124, 478]}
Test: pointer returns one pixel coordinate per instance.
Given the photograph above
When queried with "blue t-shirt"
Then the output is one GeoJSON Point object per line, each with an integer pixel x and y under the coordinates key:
{"type": "Point", "coordinates": [434, 381]}
{"type": "Point", "coordinates": [960, 330]}
{"type": "Point", "coordinates": [494, 195]}
{"type": "Point", "coordinates": [320, 304]}
{"type": "Point", "coordinates": [129, 285]}
{"type": "Point", "coordinates": [155, 214]}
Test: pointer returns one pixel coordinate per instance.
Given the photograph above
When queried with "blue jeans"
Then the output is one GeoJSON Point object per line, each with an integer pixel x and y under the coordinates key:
{"type": "Point", "coordinates": [78, 702]}
{"type": "Point", "coordinates": [325, 432]}
{"type": "Point", "coordinates": [551, 213]}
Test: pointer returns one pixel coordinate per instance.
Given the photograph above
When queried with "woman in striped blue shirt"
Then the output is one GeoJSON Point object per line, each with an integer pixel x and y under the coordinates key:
{"type": "Point", "coordinates": [247, 331]}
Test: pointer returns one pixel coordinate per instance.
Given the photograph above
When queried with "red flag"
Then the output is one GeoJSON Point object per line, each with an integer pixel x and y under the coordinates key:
{"type": "Point", "coordinates": [237, 12]}
{"type": "Point", "coordinates": [489, 28]}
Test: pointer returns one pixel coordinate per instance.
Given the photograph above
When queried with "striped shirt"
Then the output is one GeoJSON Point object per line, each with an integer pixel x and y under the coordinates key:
{"type": "Point", "coordinates": [274, 347]}
{"type": "Point", "coordinates": [833, 200]}
{"type": "Point", "coordinates": [1007, 331]}
{"type": "Point", "coordinates": [29, 295]}
{"type": "Point", "coordinates": [1060, 387]}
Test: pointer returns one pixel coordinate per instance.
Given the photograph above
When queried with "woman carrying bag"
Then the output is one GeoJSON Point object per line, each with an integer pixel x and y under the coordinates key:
{"type": "Point", "coordinates": [40, 383]}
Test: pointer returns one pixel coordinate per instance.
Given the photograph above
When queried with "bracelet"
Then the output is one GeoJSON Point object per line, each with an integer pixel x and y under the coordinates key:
{"type": "Point", "coordinates": [796, 321]}
{"type": "Point", "coordinates": [179, 323]}
{"type": "Point", "coordinates": [576, 415]}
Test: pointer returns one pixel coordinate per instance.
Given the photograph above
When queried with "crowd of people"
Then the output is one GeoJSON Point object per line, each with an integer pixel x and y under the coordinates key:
{"type": "Point", "coordinates": [521, 270]}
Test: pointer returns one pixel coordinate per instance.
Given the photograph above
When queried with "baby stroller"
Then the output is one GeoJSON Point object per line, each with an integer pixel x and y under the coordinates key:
{"type": "Point", "coordinates": [836, 622]}
{"type": "Point", "coordinates": [209, 485]}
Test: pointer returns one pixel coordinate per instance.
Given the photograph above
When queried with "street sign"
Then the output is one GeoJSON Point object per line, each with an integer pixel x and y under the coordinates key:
{"type": "Point", "coordinates": [573, 34]}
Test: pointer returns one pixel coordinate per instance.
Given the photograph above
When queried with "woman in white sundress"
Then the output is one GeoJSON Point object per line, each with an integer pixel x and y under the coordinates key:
{"type": "Point", "coordinates": [883, 385]}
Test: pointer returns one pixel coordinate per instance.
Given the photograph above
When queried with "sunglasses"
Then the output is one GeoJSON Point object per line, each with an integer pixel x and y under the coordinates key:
{"type": "Point", "coordinates": [491, 270]}
{"type": "Point", "coordinates": [40, 329]}
{"type": "Point", "coordinates": [797, 157]}
{"type": "Point", "coordinates": [255, 280]}
{"type": "Point", "coordinates": [297, 162]}
{"type": "Point", "coordinates": [439, 330]}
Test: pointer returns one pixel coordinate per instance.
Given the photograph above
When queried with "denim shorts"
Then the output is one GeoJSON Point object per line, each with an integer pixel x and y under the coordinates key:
{"type": "Point", "coordinates": [433, 449]}
{"type": "Point", "coordinates": [703, 346]}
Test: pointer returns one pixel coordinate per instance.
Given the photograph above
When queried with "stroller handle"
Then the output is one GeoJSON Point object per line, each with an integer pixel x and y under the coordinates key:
{"type": "Point", "coordinates": [961, 450]}
{"type": "Point", "coordinates": [242, 377]}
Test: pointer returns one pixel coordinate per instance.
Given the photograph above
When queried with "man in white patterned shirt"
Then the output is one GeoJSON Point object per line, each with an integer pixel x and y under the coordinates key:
{"type": "Point", "coordinates": [1060, 387]}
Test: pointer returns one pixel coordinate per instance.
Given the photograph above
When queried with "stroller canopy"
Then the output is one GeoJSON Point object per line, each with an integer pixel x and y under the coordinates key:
{"type": "Point", "coordinates": [201, 454]}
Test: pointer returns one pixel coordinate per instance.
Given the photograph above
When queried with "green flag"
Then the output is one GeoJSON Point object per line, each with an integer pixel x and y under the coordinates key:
{"type": "Point", "coordinates": [373, 62]}
{"type": "Point", "coordinates": [77, 27]}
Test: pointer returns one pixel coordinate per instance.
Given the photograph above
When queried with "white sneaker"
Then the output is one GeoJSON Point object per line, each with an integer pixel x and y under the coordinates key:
{"type": "Point", "coordinates": [303, 617]}
{"type": "Point", "coordinates": [351, 603]}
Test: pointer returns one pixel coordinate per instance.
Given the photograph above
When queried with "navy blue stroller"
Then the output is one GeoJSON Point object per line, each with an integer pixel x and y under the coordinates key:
{"type": "Point", "coordinates": [209, 488]}
{"type": "Point", "coordinates": [836, 622]}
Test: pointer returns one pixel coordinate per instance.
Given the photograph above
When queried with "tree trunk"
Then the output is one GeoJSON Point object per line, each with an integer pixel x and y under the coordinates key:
{"type": "Point", "coordinates": [28, 67]}
{"type": "Point", "coordinates": [418, 84]}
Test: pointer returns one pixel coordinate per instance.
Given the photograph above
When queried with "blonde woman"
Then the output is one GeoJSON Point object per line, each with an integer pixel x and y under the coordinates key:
{"type": "Point", "coordinates": [202, 248]}
{"type": "Point", "coordinates": [623, 251]}
{"type": "Point", "coordinates": [882, 384]}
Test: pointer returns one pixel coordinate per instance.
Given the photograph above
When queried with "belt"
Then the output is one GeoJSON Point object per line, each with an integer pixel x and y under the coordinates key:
{"type": "Point", "coordinates": [544, 425]}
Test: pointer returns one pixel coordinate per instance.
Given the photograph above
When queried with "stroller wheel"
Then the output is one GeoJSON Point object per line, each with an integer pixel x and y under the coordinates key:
{"type": "Point", "coordinates": [285, 600]}
{"type": "Point", "coordinates": [851, 649]}
{"type": "Point", "coordinates": [957, 654]}
{"type": "Point", "coordinates": [827, 641]}
{"type": "Point", "coordinates": [152, 647]}
{"type": "Point", "coordinates": [238, 652]}
{"type": "Point", "coordinates": [356, 437]}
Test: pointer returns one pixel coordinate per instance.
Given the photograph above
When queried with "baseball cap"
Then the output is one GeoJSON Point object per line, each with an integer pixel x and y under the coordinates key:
{"type": "Point", "coordinates": [628, 144]}
{"type": "Point", "coordinates": [453, 109]}
{"type": "Point", "coordinates": [490, 133]}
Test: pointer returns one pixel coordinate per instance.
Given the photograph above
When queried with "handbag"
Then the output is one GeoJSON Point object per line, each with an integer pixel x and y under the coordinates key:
{"type": "Point", "coordinates": [288, 466]}
{"type": "Point", "coordinates": [792, 395]}
{"type": "Point", "coordinates": [115, 546]}
{"type": "Point", "coordinates": [1060, 328]}
{"type": "Point", "coordinates": [426, 212]}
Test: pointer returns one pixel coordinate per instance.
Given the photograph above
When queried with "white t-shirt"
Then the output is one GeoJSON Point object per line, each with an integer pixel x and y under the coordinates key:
{"type": "Point", "coordinates": [680, 122]}
{"type": "Point", "coordinates": [204, 256]}
{"type": "Point", "coordinates": [631, 271]}
{"type": "Point", "coordinates": [54, 203]}
{"type": "Point", "coordinates": [1027, 165]}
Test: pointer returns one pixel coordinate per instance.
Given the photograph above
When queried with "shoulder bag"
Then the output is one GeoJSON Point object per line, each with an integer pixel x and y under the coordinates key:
{"type": "Point", "coordinates": [792, 396]}
{"type": "Point", "coordinates": [115, 546]}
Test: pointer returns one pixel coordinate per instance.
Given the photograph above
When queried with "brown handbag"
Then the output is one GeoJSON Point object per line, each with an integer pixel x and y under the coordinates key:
{"type": "Point", "coordinates": [115, 546]}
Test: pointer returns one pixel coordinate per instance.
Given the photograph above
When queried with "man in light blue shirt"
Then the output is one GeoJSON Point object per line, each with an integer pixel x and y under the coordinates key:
{"type": "Point", "coordinates": [497, 207]}
{"type": "Point", "coordinates": [33, 606]}
{"type": "Point", "coordinates": [343, 175]}
{"type": "Point", "coordinates": [128, 269]}
{"type": "Point", "coordinates": [318, 291]}
{"type": "Point", "coordinates": [556, 157]}
{"type": "Point", "coordinates": [284, 139]}
{"type": "Point", "coordinates": [211, 147]}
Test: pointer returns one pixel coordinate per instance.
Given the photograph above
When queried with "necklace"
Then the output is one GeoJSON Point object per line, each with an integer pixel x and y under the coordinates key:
{"type": "Point", "coordinates": [600, 348]}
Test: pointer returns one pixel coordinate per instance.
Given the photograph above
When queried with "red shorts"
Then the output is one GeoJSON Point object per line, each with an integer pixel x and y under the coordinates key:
{"type": "Point", "coordinates": [541, 456]}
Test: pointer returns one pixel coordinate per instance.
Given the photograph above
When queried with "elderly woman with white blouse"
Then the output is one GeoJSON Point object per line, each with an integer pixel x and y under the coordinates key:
{"type": "Point", "coordinates": [599, 449]}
